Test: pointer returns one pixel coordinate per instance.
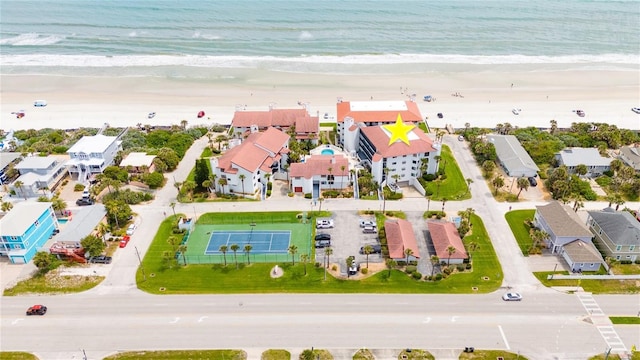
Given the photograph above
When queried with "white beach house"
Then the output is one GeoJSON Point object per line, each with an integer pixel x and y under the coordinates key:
{"type": "Point", "coordinates": [91, 155]}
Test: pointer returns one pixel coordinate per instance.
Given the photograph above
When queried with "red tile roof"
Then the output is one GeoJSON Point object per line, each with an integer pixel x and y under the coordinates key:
{"type": "Point", "coordinates": [379, 111]}
{"type": "Point", "coordinates": [444, 234]}
{"type": "Point", "coordinates": [307, 125]}
{"type": "Point", "coordinates": [264, 119]}
{"type": "Point", "coordinates": [400, 237]}
{"type": "Point", "coordinates": [319, 165]}
{"type": "Point", "coordinates": [253, 153]}
{"type": "Point", "coordinates": [421, 143]}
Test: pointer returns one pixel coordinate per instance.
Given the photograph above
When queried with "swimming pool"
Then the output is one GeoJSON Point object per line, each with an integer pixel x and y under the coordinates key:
{"type": "Point", "coordinates": [326, 152]}
{"type": "Point", "coordinates": [63, 221]}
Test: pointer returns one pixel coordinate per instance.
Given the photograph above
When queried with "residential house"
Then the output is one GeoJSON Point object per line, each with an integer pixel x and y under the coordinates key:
{"type": "Point", "coordinates": [246, 167]}
{"type": "Point", "coordinates": [91, 155]}
{"type": "Point", "coordinates": [444, 237]}
{"type": "Point", "coordinates": [400, 237]}
{"type": "Point", "coordinates": [25, 229]}
{"type": "Point", "coordinates": [630, 155]}
{"type": "Point", "coordinates": [582, 256]}
{"type": "Point", "coordinates": [307, 127]}
{"type": "Point", "coordinates": [36, 173]}
{"type": "Point", "coordinates": [7, 160]}
{"type": "Point", "coordinates": [513, 158]}
{"type": "Point", "coordinates": [138, 163]}
{"type": "Point", "coordinates": [616, 234]}
{"type": "Point", "coordinates": [352, 115]}
{"type": "Point", "coordinates": [572, 157]}
{"type": "Point", "coordinates": [320, 172]}
{"type": "Point", "coordinates": [397, 162]}
{"type": "Point", "coordinates": [562, 224]}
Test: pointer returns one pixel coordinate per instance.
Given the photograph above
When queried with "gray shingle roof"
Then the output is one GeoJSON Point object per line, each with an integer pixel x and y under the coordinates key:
{"type": "Point", "coordinates": [511, 153]}
{"type": "Point", "coordinates": [620, 227]}
{"type": "Point", "coordinates": [7, 158]}
{"type": "Point", "coordinates": [583, 252]}
{"type": "Point", "coordinates": [586, 156]}
{"type": "Point", "coordinates": [562, 220]}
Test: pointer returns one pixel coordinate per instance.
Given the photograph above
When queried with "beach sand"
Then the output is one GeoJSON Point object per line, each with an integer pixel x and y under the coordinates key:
{"type": "Point", "coordinates": [488, 97]}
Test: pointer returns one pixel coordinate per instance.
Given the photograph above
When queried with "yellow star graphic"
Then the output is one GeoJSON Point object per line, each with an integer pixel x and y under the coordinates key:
{"type": "Point", "coordinates": [399, 131]}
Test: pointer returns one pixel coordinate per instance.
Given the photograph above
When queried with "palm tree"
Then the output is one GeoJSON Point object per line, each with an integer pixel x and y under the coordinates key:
{"type": "Point", "coordinates": [188, 187]}
{"type": "Point", "coordinates": [103, 228]}
{"type": "Point", "coordinates": [242, 177]}
{"type": "Point", "coordinates": [44, 190]}
{"type": "Point", "coordinates": [327, 253]}
{"type": "Point", "coordinates": [320, 200]}
{"type": "Point", "coordinates": [234, 248]}
{"type": "Point", "coordinates": [497, 183]}
{"type": "Point", "coordinates": [523, 184]}
{"type": "Point", "coordinates": [183, 249]}
{"type": "Point", "coordinates": [395, 177]}
{"type": "Point", "coordinates": [247, 250]}
{"type": "Point", "coordinates": [469, 182]}
{"type": "Point", "coordinates": [213, 178]}
{"type": "Point", "coordinates": [408, 252]}
{"type": "Point", "coordinates": [58, 204]}
{"type": "Point", "coordinates": [450, 251]}
{"type": "Point", "coordinates": [390, 265]}
{"type": "Point", "coordinates": [618, 200]}
{"type": "Point", "coordinates": [184, 123]}
{"type": "Point", "coordinates": [6, 206]}
{"type": "Point", "coordinates": [342, 168]}
{"type": "Point", "coordinates": [20, 186]}
{"type": "Point", "coordinates": [434, 261]}
{"type": "Point", "coordinates": [223, 249]}
{"type": "Point", "coordinates": [581, 169]}
{"type": "Point", "coordinates": [220, 139]}
{"type": "Point", "coordinates": [222, 182]}
{"type": "Point", "coordinates": [330, 170]}
{"type": "Point", "coordinates": [554, 126]}
{"type": "Point", "coordinates": [368, 249]}
{"type": "Point", "coordinates": [304, 258]}
{"type": "Point", "coordinates": [173, 207]}
{"type": "Point", "coordinates": [293, 250]}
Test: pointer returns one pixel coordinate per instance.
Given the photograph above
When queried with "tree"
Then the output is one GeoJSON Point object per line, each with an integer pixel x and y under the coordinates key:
{"type": "Point", "coordinates": [43, 260]}
{"type": "Point", "coordinates": [6, 206]}
{"type": "Point", "coordinates": [395, 177]}
{"type": "Point", "coordinates": [173, 207]}
{"type": "Point", "coordinates": [434, 262]}
{"type": "Point", "coordinates": [327, 253]}
{"type": "Point", "coordinates": [469, 182]}
{"type": "Point", "coordinates": [234, 248]}
{"type": "Point", "coordinates": [330, 177]}
{"type": "Point", "coordinates": [408, 252]}
{"type": "Point", "coordinates": [390, 265]}
{"type": "Point", "coordinates": [58, 204]}
{"type": "Point", "coordinates": [293, 250]}
{"type": "Point", "coordinates": [450, 251]}
{"type": "Point", "coordinates": [342, 169]}
{"type": "Point", "coordinates": [20, 186]}
{"type": "Point", "coordinates": [188, 187]}
{"type": "Point", "coordinates": [581, 169]}
{"type": "Point", "coordinates": [616, 165]}
{"type": "Point", "coordinates": [247, 250]}
{"type": "Point", "coordinates": [184, 123]}
{"type": "Point", "coordinates": [223, 249]}
{"type": "Point", "coordinates": [368, 249]}
{"type": "Point", "coordinates": [201, 172]}
{"type": "Point", "coordinates": [304, 258]}
{"type": "Point", "coordinates": [538, 237]}
{"type": "Point", "coordinates": [220, 139]}
{"type": "Point", "coordinates": [242, 177]}
{"type": "Point", "coordinates": [102, 230]}
{"type": "Point", "coordinates": [154, 179]}
{"type": "Point", "coordinates": [497, 183]}
{"type": "Point", "coordinates": [488, 166]}
{"type": "Point", "coordinates": [320, 200]}
{"type": "Point", "coordinates": [93, 245]}
{"type": "Point", "coordinates": [44, 190]}
{"type": "Point", "coordinates": [213, 178]}
{"type": "Point", "coordinates": [523, 184]}
{"type": "Point", "coordinates": [118, 212]}
{"type": "Point", "coordinates": [222, 182]}
{"type": "Point", "coordinates": [618, 200]}
{"type": "Point", "coordinates": [183, 249]}
{"type": "Point", "coordinates": [554, 126]}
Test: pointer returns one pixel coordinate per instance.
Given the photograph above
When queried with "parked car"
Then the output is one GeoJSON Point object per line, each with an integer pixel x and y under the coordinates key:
{"type": "Point", "coordinates": [512, 296]}
{"type": "Point", "coordinates": [323, 236]}
{"type": "Point", "coordinates": [124, 241]}
{"type": "Point", "coordinates": [636, 110]}
{"type": "Point", "coordinates": [376, 249]}
{"type": "Point", "coordinates": [324, 224]}
{"type": "Point", "coordinates": [131, 229]}
{"type": "Point", "coordinates": [40, 103]}
{"type": "Point", "coordinates": [37, 310]}
{"type": "Point", "coordinates": [516, 111]}
{"type": "Point", "coordinates": [151, 115]}
{"type": "Point", "coordinates": [364, 223]}
{"type": "Point", "coordinates": [580, 113]}
{"type": "Point", "coordinates": [102, 259]}
{"type": "Point", "coordinates": [440, 116]}
{"type": "Point", "coordinates": [354, 268]}
{"type": "Point", "coordinates": [323, 244]}
{"type": "Point", "coordinates": [84, 201]}
{"type": "Point", "coordinates": [532, 181]}
{"type": "Point", "coordinates": [460, 138]}
{"type": "Point", "coordinates": [369, 230]}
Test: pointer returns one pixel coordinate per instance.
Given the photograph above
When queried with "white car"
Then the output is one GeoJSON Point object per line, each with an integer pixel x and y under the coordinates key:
{"type": "Point", "coordinates": [516, 111]}
{"type": "Point", "coordinates": [324, 224]}
{"type": "Point", "coordinates": [367, 223]}
{"type": "Point", "coordinates": [512, 296]}
{"type": "Point", "coordinates": [131, 229]}
{"type": "Point", "coordinates": [636, 110]}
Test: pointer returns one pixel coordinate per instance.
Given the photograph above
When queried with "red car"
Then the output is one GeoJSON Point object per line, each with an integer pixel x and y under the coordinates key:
{"type": "Point", "coordinates": [37, 310]}
{"type": "Point", "coordinates": [124, 241]}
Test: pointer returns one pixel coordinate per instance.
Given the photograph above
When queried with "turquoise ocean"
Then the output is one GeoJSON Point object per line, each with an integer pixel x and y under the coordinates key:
{"type": "Point", "coordinates": [194, 38]}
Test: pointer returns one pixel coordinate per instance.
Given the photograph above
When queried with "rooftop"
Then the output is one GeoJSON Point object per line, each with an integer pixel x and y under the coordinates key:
{"type": "Point", "coordinates": [7, 158]}
{"type": "Point", "coordinates": [379, 137]}
{"type": "Point", "coordinates": [137, 159]}
{"type": "Point", "coordinates": [319, 165]}
{"type": "Point", "coordinates": [620, 226]}
{"type": "Point", "coordinates": [21, 217]}
{"type": "Point", "coordinates": [444, 234]}
{"type": "Point", "coordinates": [582, 252]}
{"type": "Point", "coordinates": [36, 162]}
{"type": "Point", "coordinates": [379, 111]}
{"type": "Point", "coordinates": [562, 220]}
{"type": "Point", "coordinates": [586, 156]}
{"type": "Point", "coordinates": [92, 144]}
{"type": "Point", "coordinates": [400, 236]}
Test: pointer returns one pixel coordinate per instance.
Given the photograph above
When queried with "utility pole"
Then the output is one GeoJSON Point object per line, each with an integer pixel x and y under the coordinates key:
{"type": "Point", "coordinates": [140, 261]}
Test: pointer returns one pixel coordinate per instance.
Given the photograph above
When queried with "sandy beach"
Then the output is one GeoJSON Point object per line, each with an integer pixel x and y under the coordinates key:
{"type": "Point", "coordinates": [487, 97]}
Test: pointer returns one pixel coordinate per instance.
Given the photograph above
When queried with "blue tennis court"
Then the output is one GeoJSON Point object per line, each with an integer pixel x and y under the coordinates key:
{"type": "Point", "coordinates": [262, 242]}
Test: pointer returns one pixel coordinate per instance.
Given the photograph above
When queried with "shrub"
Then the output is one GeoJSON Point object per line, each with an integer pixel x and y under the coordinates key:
{"type": "Point", "coordinates": [307, 196]}
{"type": "Point", "coordinates": [334, 267]}
{"type": "Point", "coordinates": [428, 278]}
{"type": "Point", "coordinates": [429, 177]}
{"type": "Point", "coordinates": [290, 194]}
{"type": "Point", "coordinates": [637, 261]}
{"type": "Point", "coordinates": [438, 277]}
{"type": "Point", "coordinates": [364, 271]}
{"type": "Point", "coordinates": [447, 271]}
{"type": "Point", "coordinates": [330, 193]}
{"type": "Point", "coordinates": [78, 187]}
{"type": "Point", "coordinates": [154, 179]}
{"type": "Point", "coordinates": [410, 269]}
{"type": "Point", "coordinates": [401, 263]}
{"type": "Point", "coordinates": [268, 193]}
{"type": "Point", "coordinates": [269, 185]}
{"type": "Point", "coordinates": [625, 262]}
{"type": "Point", "coordinates": [460, 267]}
{"type": "Point", "coordinates": [468, 266]}
{"type": "Point", "coordinates": [609, 173]}
{"type": "Point", "coordinates": [416, 275]}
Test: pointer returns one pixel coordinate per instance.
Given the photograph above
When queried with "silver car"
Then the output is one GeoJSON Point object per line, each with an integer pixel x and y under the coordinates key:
{"type": "Point", "coordinates": [512, 296]}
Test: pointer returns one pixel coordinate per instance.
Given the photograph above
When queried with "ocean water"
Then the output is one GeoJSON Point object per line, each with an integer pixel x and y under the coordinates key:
{"type": "Point", "coordinates": [174, 37]}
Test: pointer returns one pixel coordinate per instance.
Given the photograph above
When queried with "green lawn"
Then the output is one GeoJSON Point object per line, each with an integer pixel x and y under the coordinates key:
{"type": "Point", "coordinates": [625, 269]}
{"type": "Point", "coordinates": [16, 355]}
{"type": "Point", "coordinates": [454, 187]}
{"type": "Point", "coordinates": [594, 286]}
{"type": "Point", "coordinates": [181, 354]}
{"type": "Point", "coordinates": [491, 355]}
{"type": "Point", "coordinates": [625, 320]}
{"type": "Point", "coordinates": [167, 277]}
{"type": "Point", "coordinates": [275, 354]}
{"type": "Point", "coordinates": [520, 229]}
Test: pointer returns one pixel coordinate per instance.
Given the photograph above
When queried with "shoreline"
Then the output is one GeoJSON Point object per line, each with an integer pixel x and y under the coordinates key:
{"type": "Point", "coordinates": [606, 96]}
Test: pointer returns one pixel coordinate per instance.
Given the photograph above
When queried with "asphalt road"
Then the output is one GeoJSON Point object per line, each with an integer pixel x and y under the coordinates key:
{"type": "Point", "coordinates": [114, 316]}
